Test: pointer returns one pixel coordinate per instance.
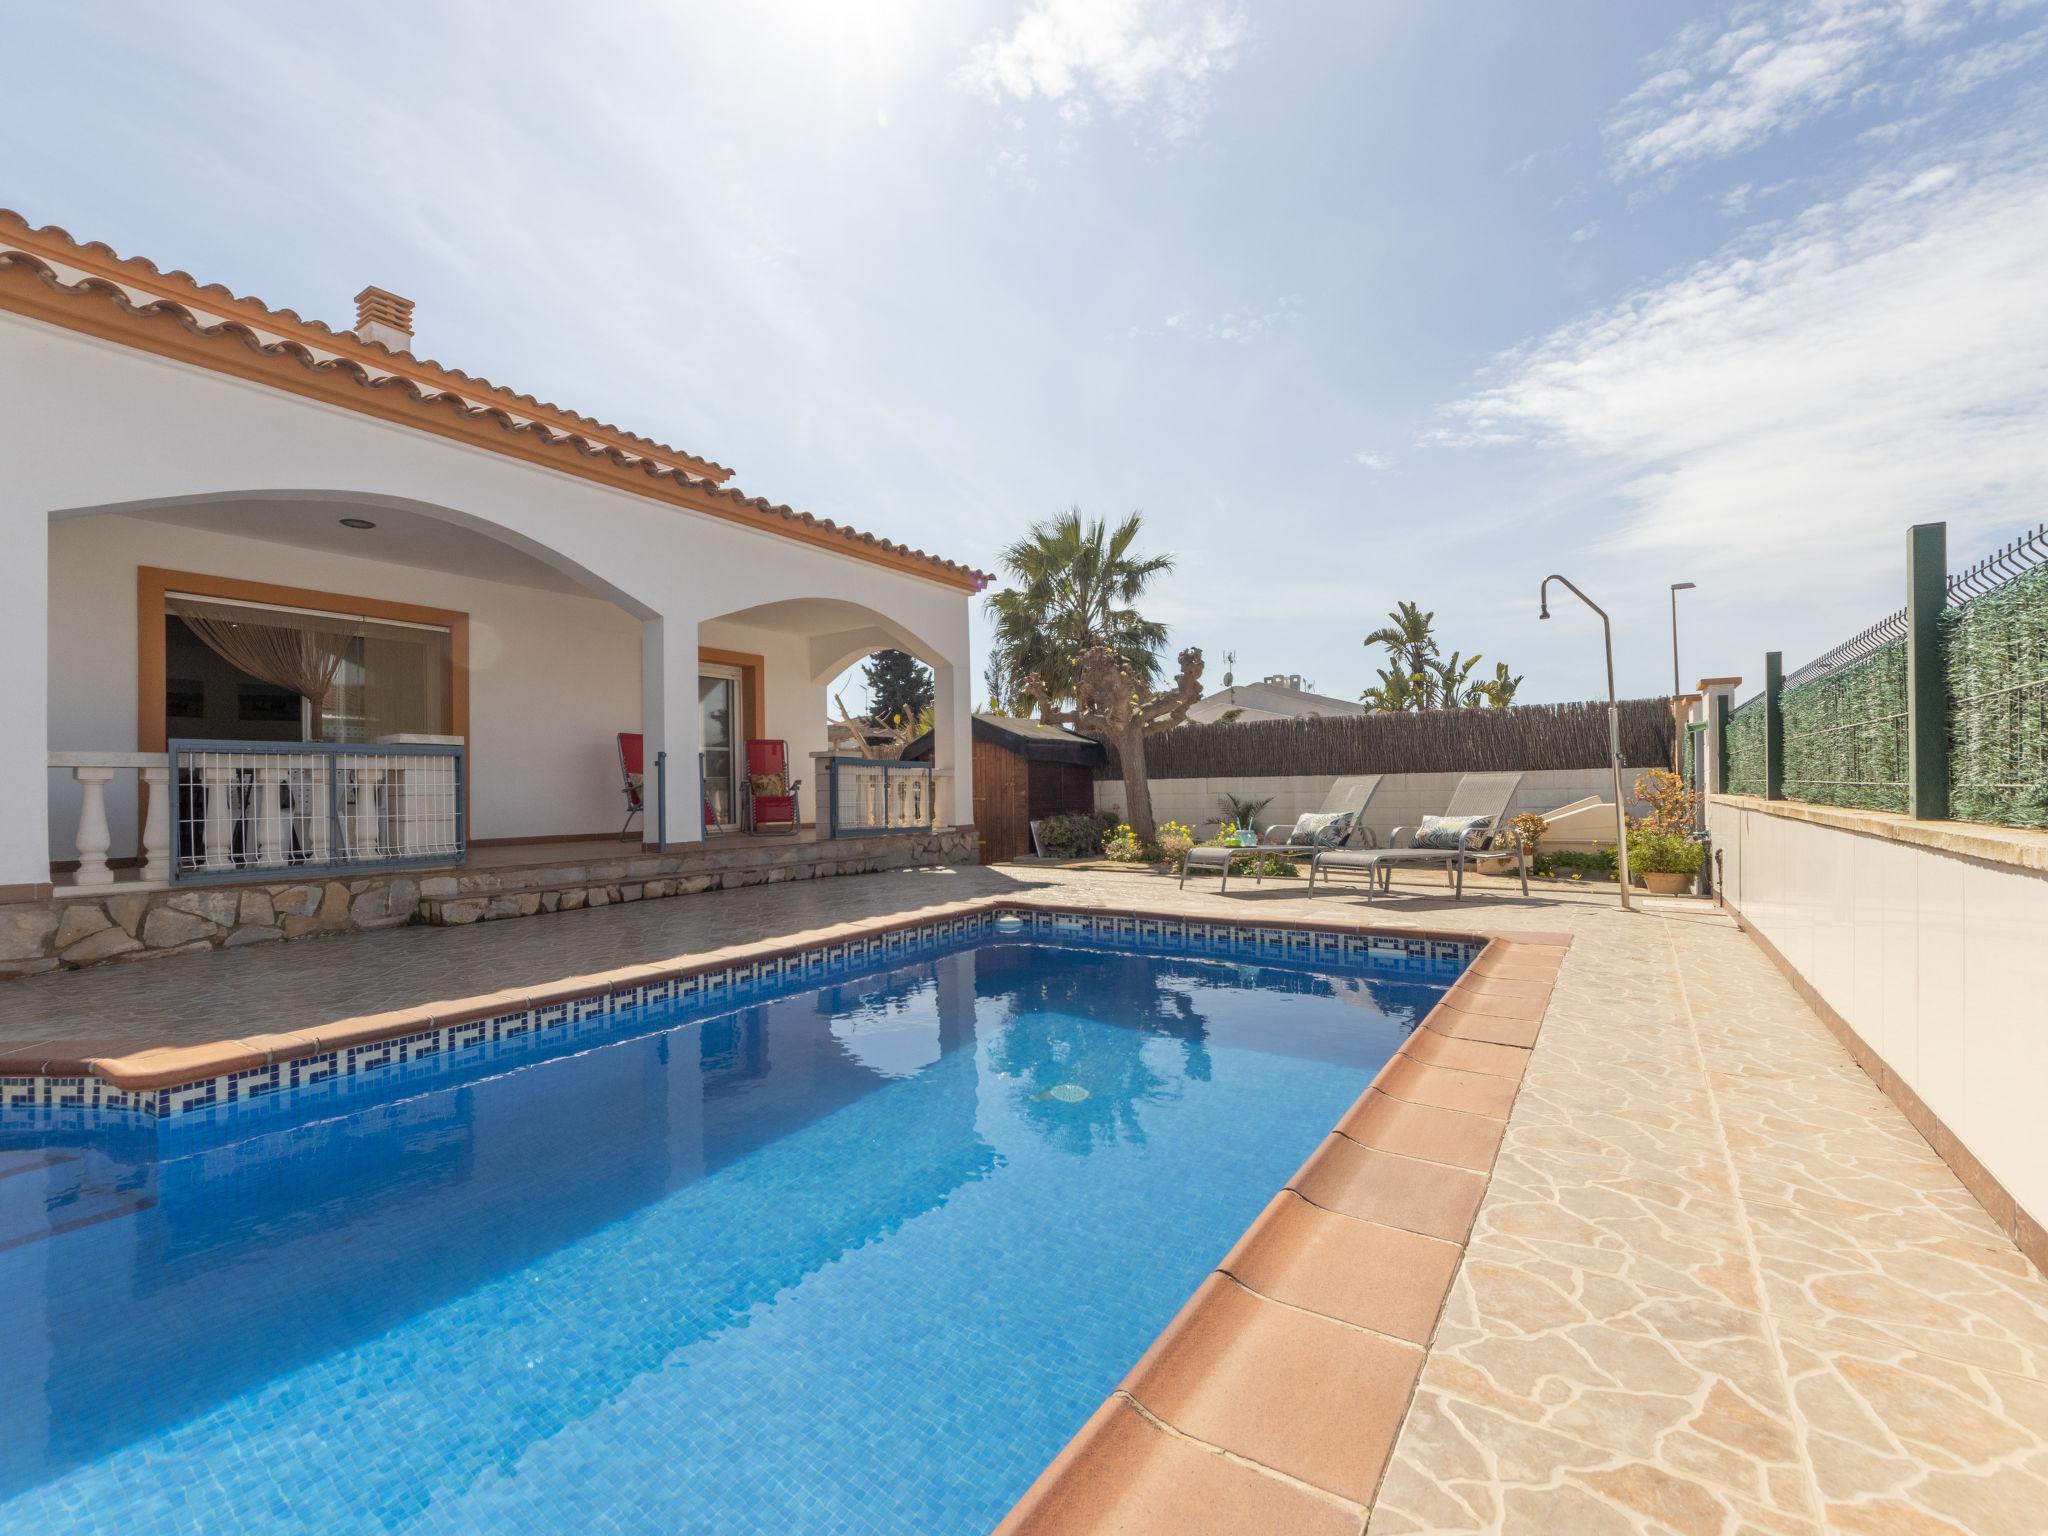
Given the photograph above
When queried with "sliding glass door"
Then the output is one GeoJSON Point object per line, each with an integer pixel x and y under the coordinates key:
{"type": "Point", "coordinates": [722, 731]}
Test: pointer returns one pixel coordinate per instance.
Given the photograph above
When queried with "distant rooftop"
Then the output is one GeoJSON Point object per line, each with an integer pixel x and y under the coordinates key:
{"type": "Point", "coordinates": [1280, 696]}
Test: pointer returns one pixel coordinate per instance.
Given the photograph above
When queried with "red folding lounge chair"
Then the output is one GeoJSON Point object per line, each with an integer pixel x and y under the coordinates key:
{"type": "Point", "coordinates": [770, 795]}
{"type": "Point", "coordinates": [633, 773]}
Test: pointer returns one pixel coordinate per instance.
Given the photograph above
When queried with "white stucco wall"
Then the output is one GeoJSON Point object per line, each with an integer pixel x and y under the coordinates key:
{"type": "Point", "coordinates": [1935, 960]}
{"type": "Point", "coordinates": [87, 426]}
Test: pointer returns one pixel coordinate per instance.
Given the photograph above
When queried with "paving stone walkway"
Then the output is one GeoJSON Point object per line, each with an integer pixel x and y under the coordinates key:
{"type": "Point", "coordinates": [1717, 1284]}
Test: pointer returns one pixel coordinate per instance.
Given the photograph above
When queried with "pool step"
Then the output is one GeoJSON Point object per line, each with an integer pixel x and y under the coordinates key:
{"type": "Point", "coordinates": [44, 1193]}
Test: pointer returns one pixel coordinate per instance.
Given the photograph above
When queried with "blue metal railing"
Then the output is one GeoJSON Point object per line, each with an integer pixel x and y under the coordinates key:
{"type": "Point", "coordinates": [245, 809]}
{"type": "Point", "coordinates": [865, 795]}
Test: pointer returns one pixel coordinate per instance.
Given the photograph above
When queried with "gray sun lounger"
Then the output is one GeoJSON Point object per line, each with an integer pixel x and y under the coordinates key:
{"type": "Point", "coordinates": [1478, 794]}
{"type": "Point", "coordinates": [1353, 793]}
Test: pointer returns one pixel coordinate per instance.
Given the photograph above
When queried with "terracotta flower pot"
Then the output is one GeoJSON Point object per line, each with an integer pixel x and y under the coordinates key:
{"type": "Point", "coordinates": [1667, 882]}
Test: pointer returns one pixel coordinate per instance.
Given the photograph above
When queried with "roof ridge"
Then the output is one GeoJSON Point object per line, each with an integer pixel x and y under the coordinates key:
{"type": "Point", "coordinates": [149, 270]}
{"type": "Point", "coordinates": [761, 509]}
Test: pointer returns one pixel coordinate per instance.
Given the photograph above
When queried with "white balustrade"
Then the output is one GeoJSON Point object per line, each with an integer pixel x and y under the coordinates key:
{"type": "Point", "coordinates": [217, 820]}
{"type": "Point", "coordinates": [94, 771]}
{"type": "Point", "coordinates": [251, 808]}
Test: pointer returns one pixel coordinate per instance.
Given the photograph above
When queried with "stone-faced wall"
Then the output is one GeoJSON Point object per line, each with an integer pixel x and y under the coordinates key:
{"type": "Point", "coordinates": [70, 931]}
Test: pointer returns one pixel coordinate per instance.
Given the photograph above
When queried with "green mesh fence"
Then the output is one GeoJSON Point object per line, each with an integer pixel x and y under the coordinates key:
{"type": "Point", "coordinates": [1845, 734]}
{"type": "Point", "coordinates": [1997, 652]}
{"type": "Point", "coordinates": [1746, 749]}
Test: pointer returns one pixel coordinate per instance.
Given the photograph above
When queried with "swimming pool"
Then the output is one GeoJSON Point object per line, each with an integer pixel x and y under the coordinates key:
{"type": "Point", "coordinates": [858, 1256]}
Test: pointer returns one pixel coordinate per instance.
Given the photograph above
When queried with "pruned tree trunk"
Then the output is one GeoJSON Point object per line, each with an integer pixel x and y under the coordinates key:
{"type": "Point", "coordinates": [1112, 702]}
{"type": "Point", "coordinates": [1130, 746]}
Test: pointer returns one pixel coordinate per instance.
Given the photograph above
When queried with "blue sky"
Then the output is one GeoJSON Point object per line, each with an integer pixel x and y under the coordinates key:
{"type": "Point", "coordinates": [1358, 302]}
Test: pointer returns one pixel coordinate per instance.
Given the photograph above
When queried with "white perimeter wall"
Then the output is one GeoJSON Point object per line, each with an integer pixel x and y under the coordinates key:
{"type": "Point", "coordinates": [1937, 961]}
{"type": "Point", "coordinates": [553, 676]}
{"type": "Point", "coordinates": [1403, 798]}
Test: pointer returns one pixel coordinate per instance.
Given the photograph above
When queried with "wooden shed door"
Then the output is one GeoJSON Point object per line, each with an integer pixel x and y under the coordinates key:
{"type": "Point", "coordinates": [1000, 790]}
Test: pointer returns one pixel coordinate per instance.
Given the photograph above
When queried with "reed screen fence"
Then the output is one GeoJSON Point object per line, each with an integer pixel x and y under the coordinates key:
{"type": "Point", "coordinates": [1524, 737]}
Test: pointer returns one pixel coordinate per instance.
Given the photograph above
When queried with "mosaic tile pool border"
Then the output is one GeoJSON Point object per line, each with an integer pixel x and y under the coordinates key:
{"type": "Point", "coordinates": [277, 1074]}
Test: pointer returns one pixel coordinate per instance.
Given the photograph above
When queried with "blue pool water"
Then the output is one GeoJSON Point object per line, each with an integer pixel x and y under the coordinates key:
{"type": "Point", "coordinates": [860, 1258]}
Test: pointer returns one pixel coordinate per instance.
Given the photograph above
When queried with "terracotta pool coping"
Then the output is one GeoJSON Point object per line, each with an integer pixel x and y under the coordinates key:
{"type": "Point", "coordinates": [1273, 1399]}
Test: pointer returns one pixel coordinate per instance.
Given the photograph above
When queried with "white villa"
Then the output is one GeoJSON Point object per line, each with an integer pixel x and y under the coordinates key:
{"type": "Point", "coordinates": [280, 599]}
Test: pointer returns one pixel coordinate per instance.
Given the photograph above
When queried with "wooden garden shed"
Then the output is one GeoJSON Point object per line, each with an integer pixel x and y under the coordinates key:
{"type": "Point", "coordinates": [1024, 771]}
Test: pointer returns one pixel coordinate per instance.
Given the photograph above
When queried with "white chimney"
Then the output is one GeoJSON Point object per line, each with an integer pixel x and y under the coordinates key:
{"type": "Point", "coordinates": [385, 318]}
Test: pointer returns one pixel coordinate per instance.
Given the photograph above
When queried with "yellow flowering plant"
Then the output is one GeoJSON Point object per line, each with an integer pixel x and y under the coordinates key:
{"type": "Point", "coordinates": [1175, 839]}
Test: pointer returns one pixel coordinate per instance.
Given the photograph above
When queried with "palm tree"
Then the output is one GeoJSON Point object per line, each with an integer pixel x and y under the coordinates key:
{"type": "Point", "coordinates": [1397, 691]}
{"type": "Point", "coordinates": [1411, 647]}
{"type": "Point", "coordinates": [1075, 582]}
{"type": "Point", "coordinates": [1449, 681]}
{"type": "Point", "coordinates": [1497, 692]}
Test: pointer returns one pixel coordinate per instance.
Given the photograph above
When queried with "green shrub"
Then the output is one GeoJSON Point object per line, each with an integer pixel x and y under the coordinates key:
{"type": "Point", "coordinates": [1074, 837]}
{"type": "Point", "coordinates": [1123, 847]}
{"type": "Point", "coordinates": [1175, 839]}
{"type": "Point", "coordinates": [1600, 864]}
{"type": "Point", "coordinates": [1654, 852]}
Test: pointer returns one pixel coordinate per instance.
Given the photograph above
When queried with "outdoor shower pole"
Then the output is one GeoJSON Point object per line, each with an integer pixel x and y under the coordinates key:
{"type": "Point", "coordinates": [1678, 737]}
{"type": "Point", "coordinates": [1613, 725]}
{"type": "Point", "coordinates": [660, 802]}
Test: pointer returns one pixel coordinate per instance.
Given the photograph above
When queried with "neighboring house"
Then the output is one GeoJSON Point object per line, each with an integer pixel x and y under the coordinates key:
{"type": "Point", "coordinates": [225, 523]}
{"type": "Point", "coordinates": [1279, 697]}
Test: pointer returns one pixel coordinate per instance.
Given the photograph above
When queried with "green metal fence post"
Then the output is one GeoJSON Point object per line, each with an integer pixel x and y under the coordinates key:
{"type": "Point", "coordinates": [1774, 726]}
{"type": "Point", "coordinates": [1926, 672]}
{"type": "Point", "coordinates": [1720, 742]}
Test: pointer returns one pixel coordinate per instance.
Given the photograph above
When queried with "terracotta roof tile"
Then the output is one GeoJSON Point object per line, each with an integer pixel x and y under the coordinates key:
{"type": "Point", "coordinates": [393, 376]}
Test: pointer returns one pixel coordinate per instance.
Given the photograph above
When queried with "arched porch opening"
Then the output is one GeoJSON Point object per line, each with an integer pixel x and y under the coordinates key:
{"type": "Point", "coordinates": [806, 645]}
{"type": "Point", "coordinates": [445, 626]}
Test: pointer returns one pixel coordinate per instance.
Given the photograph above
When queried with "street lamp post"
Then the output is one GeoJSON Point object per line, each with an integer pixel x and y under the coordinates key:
{"type": "Point", "coordinates": [1676, 588]}
{"type": "Point", "coordinates": [1613, 728]}
{"type": "Point", "coordinates": [1678, 738]}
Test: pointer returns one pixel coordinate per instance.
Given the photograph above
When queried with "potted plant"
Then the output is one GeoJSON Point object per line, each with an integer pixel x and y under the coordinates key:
{"type": "Point", "coordinates": [1525, 831]}
{"type": "Point", "coordinates": [1668, 861]}
{"type": "Point", "coordinates": [1242, 815]}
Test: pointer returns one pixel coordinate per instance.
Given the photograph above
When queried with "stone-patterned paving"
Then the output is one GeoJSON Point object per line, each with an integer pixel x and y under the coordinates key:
{"type": "Point", "coordinates": [1717, 1284]}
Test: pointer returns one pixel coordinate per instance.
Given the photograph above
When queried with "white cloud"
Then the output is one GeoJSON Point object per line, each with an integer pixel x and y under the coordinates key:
{"type": "Point", "coordinates": [1373, 461]}
{"type": "Point", "coordinates": [1976, 66]}
{"type": "Point", "coordinates": [1586, 232]}
{"type": "Point", "coordinates": [1013, 165]}
{"type": "Point", "coordinates": [1154, 57]}
{"type": "Point", "coordinates": [1880, 360]}
{"type": "Point", "coordinates": [1765, 70]}
{"type": "Point", "coordinates": [1239, 327]}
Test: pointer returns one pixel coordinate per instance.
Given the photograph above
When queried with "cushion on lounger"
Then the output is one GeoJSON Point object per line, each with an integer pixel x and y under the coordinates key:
{"type": "Point", "coordinates": [1321, 830]}
{"type": "Point", "coordinates": [1447, 831]}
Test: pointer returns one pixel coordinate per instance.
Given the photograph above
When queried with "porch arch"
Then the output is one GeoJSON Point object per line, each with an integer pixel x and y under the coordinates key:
{"type": "Point", "coordinates": [322, 509]}
{"type": "Point", "coordinates": [817, 637]}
